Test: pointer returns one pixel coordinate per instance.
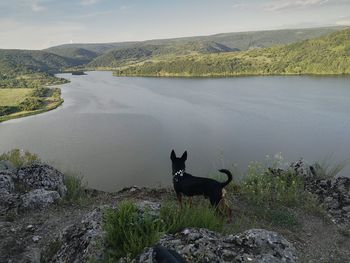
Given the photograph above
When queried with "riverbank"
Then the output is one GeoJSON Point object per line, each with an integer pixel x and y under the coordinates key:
{"type": "Point", "coordinates": [53, 219]}
{"type": "Point", "coordinates": [18, 103]}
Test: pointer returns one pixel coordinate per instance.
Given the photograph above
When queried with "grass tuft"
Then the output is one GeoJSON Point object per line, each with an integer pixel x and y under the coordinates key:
{"type": "Point", "coordinates": [19, 158]}
{"type": "Point", "coordinates": [324, 169]}
{"type": "Point", "coordinates": [200, 216]}
{"type": "Point", "coordinates": [128, 232]}
{"type": "Point", "coordinates": [75, 187]}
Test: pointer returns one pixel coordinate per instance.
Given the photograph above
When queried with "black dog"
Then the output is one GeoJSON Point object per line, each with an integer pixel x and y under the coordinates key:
{"type": "Point", "coordinates": [186, 184]}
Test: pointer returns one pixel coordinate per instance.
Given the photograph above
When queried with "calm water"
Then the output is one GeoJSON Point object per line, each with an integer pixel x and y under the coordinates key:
{"type": "Point", "coordinates": [120, 131]}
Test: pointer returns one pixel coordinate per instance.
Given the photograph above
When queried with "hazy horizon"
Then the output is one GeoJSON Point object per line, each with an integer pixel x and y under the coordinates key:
{"type": "Point", "coordinates": [39, 24]}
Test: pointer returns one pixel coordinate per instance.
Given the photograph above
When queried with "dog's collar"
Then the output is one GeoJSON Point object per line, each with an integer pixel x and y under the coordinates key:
{"type": "Point", "coordinates": [179, 173]}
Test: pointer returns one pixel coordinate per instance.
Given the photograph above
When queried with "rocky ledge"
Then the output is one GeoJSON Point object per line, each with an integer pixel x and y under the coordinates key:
{"type": "Point", "coordinates": [79, 243]}
{"type": "Point", "coordinates": [71, 234]}
{"type": "Point", "coordinates": [333, 193]}
{"type": "Point", "coordinates": [35, 186]}
{"type": "Point", "coordinates": [202, 245]}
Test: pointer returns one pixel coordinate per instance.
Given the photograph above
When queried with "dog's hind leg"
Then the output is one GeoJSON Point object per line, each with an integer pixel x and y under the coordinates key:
{"type": "Point", "coordinates": [225, 206]}
{"type": "Point", "coordinates": [179, 198]}
{"type": "Point", "coordinates": [190, 201]}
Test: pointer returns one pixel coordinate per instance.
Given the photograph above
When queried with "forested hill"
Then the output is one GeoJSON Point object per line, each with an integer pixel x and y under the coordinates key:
{"type": "Point", "coordinates": [13, 61]}
{"type": "Point", "coordinates": [132, 52]}
{"type": "Point", "coordinates": [30, 68]}
{"type": "Point", "coordinates": [15, 64]}
{"type": "Point", "coordinates": [325, 55]}
{"type": "Point", "coordinates": [235, 40]}
{"type": "Point", "coordinates": [80, 56]}
{"type": "Point", "coordinates": [120, 57]}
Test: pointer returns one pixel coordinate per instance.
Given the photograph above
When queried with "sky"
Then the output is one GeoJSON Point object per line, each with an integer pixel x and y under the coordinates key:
{"type": "Point", "coordinates": [38, 24]}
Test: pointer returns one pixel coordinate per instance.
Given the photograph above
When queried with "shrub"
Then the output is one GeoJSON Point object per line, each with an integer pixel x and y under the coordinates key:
{"type": "Point", "coordinates": [20, 158]}
{"type": "Point", "coordinates": [40, 92]}
{"type": "Point", "coordinates": [200, 215]}
{"type": "Point", "coordinates": [6, 110]}
{"type": "Point", "coordinates": [264, 188]}
{"type": "Point", "coordinates": [56, 93]}
{"type": "Point", "coordinates": [128, 232]}
{"type": "Point", "coordinates": [30, 104]}
{"type": "Point", "coordinates": [75, 187]}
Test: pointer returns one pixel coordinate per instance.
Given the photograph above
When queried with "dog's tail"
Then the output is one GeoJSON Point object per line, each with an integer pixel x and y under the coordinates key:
{"type": "Point", "coordinates": [229, 175]}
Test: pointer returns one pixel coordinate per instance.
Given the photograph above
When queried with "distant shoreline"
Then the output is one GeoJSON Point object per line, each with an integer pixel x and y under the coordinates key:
{"type": "Point", "coordinates": [22, 114]}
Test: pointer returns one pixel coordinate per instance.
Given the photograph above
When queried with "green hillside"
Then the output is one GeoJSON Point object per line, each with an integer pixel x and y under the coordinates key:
{"type": "Point", "coordinates": [80, 56]}
{"type": "Point", "coordinates": [118, 54]}
{"type": "Point", "coordinates": [98, 48]}
{"type": "Point", "coordinates": [325, 55]}
{"type": "Point", "coordinates": [30, 68]}
{"type": "Point", "coordinates": [120, 57]}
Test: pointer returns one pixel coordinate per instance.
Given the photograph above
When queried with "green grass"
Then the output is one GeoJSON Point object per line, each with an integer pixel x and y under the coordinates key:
{"type": "Point", "coordinates": [268, 200]}
{"type": "Point", "coordinates": [13, 97]}
{"type": "Point", "coordinates": [19, 158]}
{"type": "Point", "coordinates": [263, 188]}
{"type": "Point", "coordinates": [325, 169]}
{"type": "Point", "coordinates": [75, 187]}
{"type": "Point", "coordinates": [200, 215]}
{"type": "Point", "coordinates": [51, 102]}
{"type": "Point", "coordinates": [128, 232]}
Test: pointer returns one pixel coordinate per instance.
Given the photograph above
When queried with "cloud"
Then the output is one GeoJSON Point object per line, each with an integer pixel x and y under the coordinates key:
{"type": "Point", "coordinates": [344, 21]}
{"type": "Point", "coordinates": [15, 34]}
{"type": "Point", "coordinates": [240, 4]}
{"type": "Point", "coordinates": [88, 2]}
{"type": "Point", "coordinates": [277, 5]}
{"type": "Point", "coordinates": [125, 7]}
{"type": "Point", "coordinates": [37, 7]}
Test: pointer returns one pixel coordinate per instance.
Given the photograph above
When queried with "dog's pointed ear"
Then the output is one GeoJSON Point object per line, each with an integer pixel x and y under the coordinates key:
{"type": "Point", "coordinates": [184, 156]}
{"type": "Point", "coordinates": [173, 155]}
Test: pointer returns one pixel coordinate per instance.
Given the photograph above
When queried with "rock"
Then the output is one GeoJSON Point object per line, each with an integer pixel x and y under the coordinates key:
{"type": "Point", "coordinates": [8, 202]}
{"type": "Point", "coordinates": [36, 238]}
{"type": "Point", "coordinates": [264, 246]}
{"type": "Point", "coordinates": [346, 209]}
{"type": "Point", "coordinates": [42, 176]}
{"type": "Point", "coordinates": [202, 245]}
{"type": "Point", "coordinates": [7, 166]}
{"type": "Point", "coordinates": [30, 228]}
{"type": "Point", "coordinates": [31, 255]}
{"type": "Point", "coordinates": [152, 208]}
{"type": "Point", "coordinates": [333, 193]}
{"type": "Point", "coordinates": [39, 198]}
{"type": "Point", "coordinates": [7, 185]}
{"type": "Point", "coordinates": [80, 242]}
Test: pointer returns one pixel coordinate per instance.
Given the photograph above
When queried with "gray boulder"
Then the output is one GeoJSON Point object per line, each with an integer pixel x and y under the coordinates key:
{"type": "Point", "coordinates": [7, 166]}
{"type": "Point", "coordinates": [263, 246]}
{"type": "Point", "coordinates": [7, 185]}
{"type": "Point", "coordinates": [42, 176]}
{"type": "Point", "coordinates": [334, 194]}
{"type": "Point", "coordinates": [151, 208]}
{"type": "Point", "coordinates": [202, 245]}
{"type": "Point", "coordinates": [39, 198]}
{"type": "Point", "coordinates": [8, 202]}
